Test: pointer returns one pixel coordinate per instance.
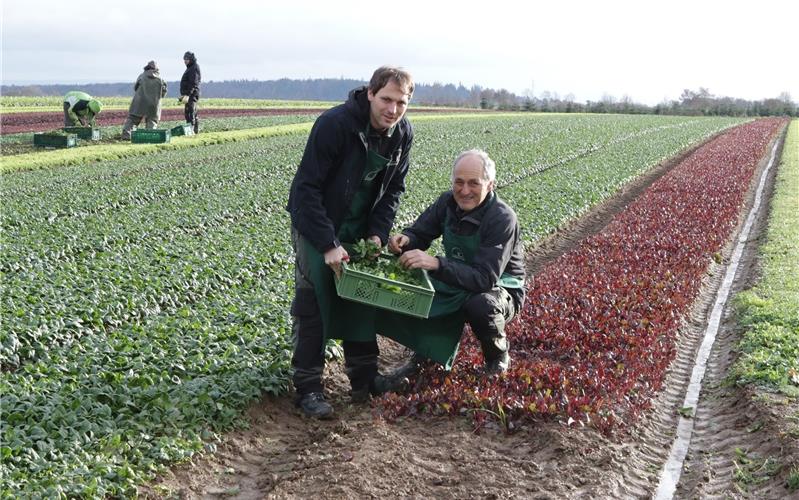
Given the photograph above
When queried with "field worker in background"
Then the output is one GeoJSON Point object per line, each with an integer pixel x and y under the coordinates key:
{"type": "Point", "coordinates": [347, 188]}
{"type": "Point", "coordinates": [480, 279]}
{"type": "Point", "coordinates": [80, 109]}
{"type": "Point", "coordinates": [190, 90]}
{"type": "Point", "coordinates": [149, 89]}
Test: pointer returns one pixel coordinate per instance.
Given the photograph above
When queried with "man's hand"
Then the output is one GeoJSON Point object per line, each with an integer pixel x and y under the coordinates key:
{"type": "Point", "coordinates": [377, 241]}
{"type": "Point", "coordinates": [334, 257]}
{"type": "Point", "coordinates": [183, 99]}
{"type": "Point", "coordinates": [397, 242]}
{"type": "Point", "coordinates": [417, 259]}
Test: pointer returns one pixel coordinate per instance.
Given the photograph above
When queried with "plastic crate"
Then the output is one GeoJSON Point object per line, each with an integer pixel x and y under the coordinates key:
{"type": "Point", "coordinates": [366, 288]}
{"type": "Point", "coordinates": [51, 140]}
{"type": "Point", "coordinates": [185, 129]}
{"type": "Point", "coordinates": [150, 136]}
{"type": "Point", "coordinates": [88, 133]}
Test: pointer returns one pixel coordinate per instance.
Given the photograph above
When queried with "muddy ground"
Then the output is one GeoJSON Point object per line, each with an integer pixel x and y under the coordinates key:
{"type": "Point", "coordinates": [358, 455]}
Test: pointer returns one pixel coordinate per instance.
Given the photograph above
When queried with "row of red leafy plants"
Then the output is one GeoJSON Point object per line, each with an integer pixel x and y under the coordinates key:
{"type": "Point", "coordinates": [15, 123]}
{"type": "Point", "coordinates": [598, 331]}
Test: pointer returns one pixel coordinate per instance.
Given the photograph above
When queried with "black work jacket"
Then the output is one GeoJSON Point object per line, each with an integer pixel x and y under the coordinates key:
{"type": "Point", "coordinates": [331, 169]}
{"type": "Point", "coordinates": [190, 82]}
{"type": "Point", "coordinates": [501, 250]}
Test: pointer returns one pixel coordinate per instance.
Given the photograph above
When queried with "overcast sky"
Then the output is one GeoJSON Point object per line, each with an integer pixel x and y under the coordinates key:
{"type": "Point", "coordinates": [648, 51]}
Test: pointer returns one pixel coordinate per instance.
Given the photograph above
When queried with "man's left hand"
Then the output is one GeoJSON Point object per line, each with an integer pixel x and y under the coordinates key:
{"type": "Point", "coordinates": [377, 241]}
{"type": "Point", "coordinates": [417, 259]}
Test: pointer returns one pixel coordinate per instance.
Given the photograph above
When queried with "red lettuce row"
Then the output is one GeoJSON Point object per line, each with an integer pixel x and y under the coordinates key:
{"type": "Point", "coordinates": [598, 332]}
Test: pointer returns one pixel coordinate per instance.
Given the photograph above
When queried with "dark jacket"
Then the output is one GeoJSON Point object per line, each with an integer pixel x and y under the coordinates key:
{"type": "Point", "coordinates": [331, 169]}
{"type": "Point", "coordinates": [190, 83]}
{"type": "Point", "coordinates": [501, 250]}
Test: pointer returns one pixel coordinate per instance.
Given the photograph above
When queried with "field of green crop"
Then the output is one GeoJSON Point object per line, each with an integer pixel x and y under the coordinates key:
{"type": "Point", "coordinates": [12, 104]}
{"type": "Point", "coordinates": [145, 300]}
{"type": "Point", "coordinates": [14, 144]}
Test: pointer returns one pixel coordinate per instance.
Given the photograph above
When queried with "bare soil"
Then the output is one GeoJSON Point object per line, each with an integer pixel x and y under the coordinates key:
{"type": "Point", "coordinates": [359, 455]}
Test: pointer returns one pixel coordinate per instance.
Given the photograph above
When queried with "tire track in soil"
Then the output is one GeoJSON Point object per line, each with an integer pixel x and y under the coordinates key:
{"type": "Point", "coordinates": [734, 435]}
{"type": "Point", "coordinates": [723, 415]}
{"type": "Point", "coordinates": [358, 455]}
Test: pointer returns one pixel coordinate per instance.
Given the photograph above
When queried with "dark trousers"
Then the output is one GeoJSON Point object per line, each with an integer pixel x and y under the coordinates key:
{"type": "Point", "coordinates": [190, 114]}
{"type": "Point", "coordinates": [487, 314]}
{"type": "Point", "coordinates": [308, 361]}
{"type": "Point", "coordinates": [68, 120]}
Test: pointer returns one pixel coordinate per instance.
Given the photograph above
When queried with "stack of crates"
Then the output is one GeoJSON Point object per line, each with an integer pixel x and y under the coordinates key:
{"type": "Point", "coordinates": [87, 133]}
{"type": "Point", "coordinates": [184, 129]}
{"type": "Point", "coordinates": [55, 140]}
{"type": "Point", "coordinates": [151, 136]}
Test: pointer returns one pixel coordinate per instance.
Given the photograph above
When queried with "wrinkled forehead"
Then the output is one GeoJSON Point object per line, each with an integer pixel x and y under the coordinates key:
{"type": "Point", "coordinates": [468, 167]}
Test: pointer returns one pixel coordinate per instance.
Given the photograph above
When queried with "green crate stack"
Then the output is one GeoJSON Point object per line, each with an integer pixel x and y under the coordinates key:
{"type": "Point", "coordinates": [55, 140]}
{"type": "Point", "coordinates": [377, 291]}
{"type": "Point", "coordinates": [150, 136]}
{"type": "Point", "coordinates": [185, 129]}
{"type": "Point", "coordinates": [89, 133]}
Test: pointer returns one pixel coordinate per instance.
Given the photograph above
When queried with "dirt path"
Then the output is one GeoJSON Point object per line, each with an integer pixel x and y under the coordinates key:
{"type": "Point", "coordinates": [357, 455]}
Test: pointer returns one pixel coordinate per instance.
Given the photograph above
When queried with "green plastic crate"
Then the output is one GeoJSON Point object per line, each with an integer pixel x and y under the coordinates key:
{"type": "Point", "coordinates": [151, 136]}
{"type": "Point", "coordinates": [366, 288]}
{"type": "Point", "coordinates": [185, 129]}
{"type": "Point", "coordinates": [51, 140]}
{"type": "Point", "coordinates": [88, 133]}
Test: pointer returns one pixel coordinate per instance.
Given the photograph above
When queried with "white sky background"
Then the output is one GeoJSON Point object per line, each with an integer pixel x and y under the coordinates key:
{"type": "Point", "coordinates": [648, 51]}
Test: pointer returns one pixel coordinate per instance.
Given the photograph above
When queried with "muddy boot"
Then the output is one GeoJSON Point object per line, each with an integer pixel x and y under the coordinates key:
{"type": "Point", "coordinates": [313, 405]}
{"type": "Point", "coordinates": [498, 365]}
{"type": "Point", "coordinates": [399, 379]}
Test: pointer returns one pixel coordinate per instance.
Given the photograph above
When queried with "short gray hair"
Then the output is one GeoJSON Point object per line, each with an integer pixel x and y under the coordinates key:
{"type": "Point", "coordinates": [489, 167]}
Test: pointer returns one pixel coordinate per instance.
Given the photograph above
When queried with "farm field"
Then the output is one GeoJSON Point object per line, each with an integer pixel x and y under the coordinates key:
{"type": "Point", "coordinates": [20, 114]}
{"type": "Point", "coordinates": [159, 290]}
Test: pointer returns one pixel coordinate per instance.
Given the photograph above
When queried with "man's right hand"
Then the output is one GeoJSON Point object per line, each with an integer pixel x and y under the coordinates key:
{"type": "Point", "coordinates": [397, 242]}
{"type": "Point", "coordinates": [334, 257]}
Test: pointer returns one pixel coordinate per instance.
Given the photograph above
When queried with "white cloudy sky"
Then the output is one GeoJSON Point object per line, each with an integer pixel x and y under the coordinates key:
{"type": "Point", "coordinates": [649, 51]}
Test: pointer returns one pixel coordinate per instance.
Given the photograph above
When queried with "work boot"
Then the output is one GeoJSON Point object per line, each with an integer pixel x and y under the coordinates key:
{"type": "Point", "coordinates": [409, 369]}
{"type": "Point", "coordinates": [379, 386]}
{"type": "Point", "coordinates": [498, 365]}
{"type": "Point", "coordinates": [313, 405]}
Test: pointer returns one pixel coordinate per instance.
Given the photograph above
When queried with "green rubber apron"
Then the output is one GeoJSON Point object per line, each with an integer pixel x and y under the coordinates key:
{"type": "Point", "coordinates": [345, 319]}
{"type": "Point", "coordinates": [438, 337]}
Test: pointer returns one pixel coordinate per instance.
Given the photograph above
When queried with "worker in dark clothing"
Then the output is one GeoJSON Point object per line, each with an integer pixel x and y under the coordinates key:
{"type": "Point", "coordinates": [190, 90]}
{"type": "Point", "coordinates": [347, 188]}
{"type": "Point", "coordinates": [479, 280]}
{"type": "Point", "coordinates": [80, 109]}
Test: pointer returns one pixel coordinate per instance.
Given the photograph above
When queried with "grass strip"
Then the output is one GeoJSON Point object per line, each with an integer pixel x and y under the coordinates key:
{"type": "Point", "coordinates": [769, 312]}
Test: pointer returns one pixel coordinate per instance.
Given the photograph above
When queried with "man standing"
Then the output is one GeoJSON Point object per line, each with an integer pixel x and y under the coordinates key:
{"type": "Point", "coordinates": [190, 90]}
{"type": "Point", "coordinates": [347, 188]}
{"type": "Point", "coordinates": [80, 109]}
{"type": "Point", "coordinates": [480, 279]}
{"type": "Point", "coordinates": [149, 89]}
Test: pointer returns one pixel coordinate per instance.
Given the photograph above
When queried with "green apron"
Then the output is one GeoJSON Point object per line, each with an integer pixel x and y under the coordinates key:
{"type": "Point", "coordinates": [438, 337]}
{"type": "Point", "coordinates": [345, 319]}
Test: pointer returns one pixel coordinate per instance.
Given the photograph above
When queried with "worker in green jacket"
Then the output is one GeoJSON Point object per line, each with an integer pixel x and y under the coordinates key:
{"type": "Point", "coordinates": [80, 109]}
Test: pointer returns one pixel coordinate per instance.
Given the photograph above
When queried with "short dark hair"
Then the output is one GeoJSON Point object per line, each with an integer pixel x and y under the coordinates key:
{"type": "Point", "coordinates": [384, 74]}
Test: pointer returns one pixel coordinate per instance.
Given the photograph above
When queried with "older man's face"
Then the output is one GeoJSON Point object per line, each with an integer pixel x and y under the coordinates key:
{"type": "Point", "coordinates": [469, 187]}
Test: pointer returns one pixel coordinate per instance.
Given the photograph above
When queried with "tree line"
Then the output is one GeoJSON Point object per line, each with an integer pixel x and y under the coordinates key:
{"type": "Point", "coordinates": [691, 102]}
